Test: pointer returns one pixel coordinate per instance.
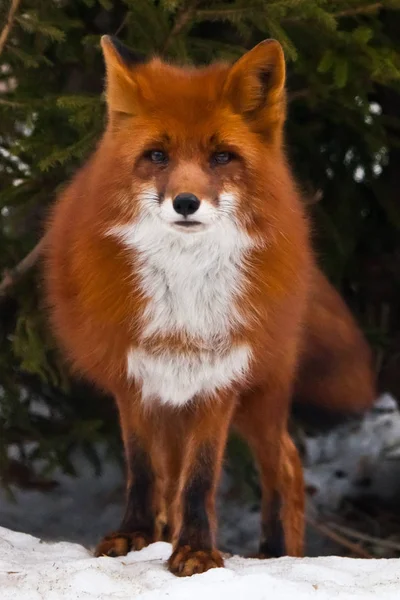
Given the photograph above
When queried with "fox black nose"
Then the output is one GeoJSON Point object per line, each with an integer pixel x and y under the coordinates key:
{"type": "Point", "coordinates": [186, 204]}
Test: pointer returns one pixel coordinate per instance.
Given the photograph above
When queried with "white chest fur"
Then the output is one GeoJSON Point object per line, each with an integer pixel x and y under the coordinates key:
{"type": "Point", "coordinates": [177, 378]}
{"type": "Point", "coordinates": [191, 283]}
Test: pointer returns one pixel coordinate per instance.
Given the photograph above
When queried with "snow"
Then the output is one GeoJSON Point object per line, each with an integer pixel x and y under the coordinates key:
{"type": "Point", "coordinates": [82, 509]}
{"type": "Point", "coordinates": [33, 570]}
{"type": "Point", "coordinates": [356, 458]}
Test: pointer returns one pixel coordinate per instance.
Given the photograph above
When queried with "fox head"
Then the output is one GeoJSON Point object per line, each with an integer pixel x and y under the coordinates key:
{"type": "Point", "coordinates": [193, 149]}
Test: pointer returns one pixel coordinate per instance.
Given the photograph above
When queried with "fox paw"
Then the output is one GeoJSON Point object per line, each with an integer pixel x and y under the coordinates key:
{"type": "Point", "coordinates": [184, 561]}
{"type": "Point", "coordinates": [119, 543]}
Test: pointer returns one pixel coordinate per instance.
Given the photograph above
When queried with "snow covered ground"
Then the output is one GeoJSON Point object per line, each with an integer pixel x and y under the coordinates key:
{"type": "Point", "coordinates": [33, 570]}
{"type": "Point", "coordinates": [83, 509]}
{"type": "Point", "coordinates": [357, 458]}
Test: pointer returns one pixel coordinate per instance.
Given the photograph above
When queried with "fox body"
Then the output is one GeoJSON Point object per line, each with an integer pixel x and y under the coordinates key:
{"type": "Point", "coordinates": [335, 375]}
{"type": "Point", "coordinates": [177, 273]}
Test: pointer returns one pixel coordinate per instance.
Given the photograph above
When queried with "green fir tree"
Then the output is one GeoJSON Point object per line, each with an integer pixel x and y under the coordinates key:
{"type": "Point", "coordinates": [343, 135]}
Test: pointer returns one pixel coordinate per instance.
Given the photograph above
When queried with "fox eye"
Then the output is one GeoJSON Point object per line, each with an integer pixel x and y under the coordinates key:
{"type": "Point", "coordinates": [222, 158]}
{"type": "Point", "coordinates": [158, 157]}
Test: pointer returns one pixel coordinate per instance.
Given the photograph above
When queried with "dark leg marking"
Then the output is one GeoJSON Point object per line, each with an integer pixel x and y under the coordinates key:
{"type": "Point", "coordinates": [273, 539]}
{"type": "Point", "coordinates": [195, 530]}
{"type": "Point", "coordinates": [137, 527]}
{"type": "Point", "coordinates": [194, 551]}
{"type": "Point", "coordinates": [139, 514]}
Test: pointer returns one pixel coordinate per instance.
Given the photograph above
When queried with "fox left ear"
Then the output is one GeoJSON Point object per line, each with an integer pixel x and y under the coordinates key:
{"type": "Point", "coordinates": [121, 87]}
{"type": "Point", "coordinates": [255, 85]}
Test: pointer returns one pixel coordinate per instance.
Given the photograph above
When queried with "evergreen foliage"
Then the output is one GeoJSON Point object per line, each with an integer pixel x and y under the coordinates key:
{"type": "Point", "coordinates": [343, 137]}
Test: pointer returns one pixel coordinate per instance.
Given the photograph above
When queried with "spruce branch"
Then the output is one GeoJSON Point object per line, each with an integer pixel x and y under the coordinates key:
{"type": "Point", "coordinates": [12, 276]}
{"type": "Point", "coordinates": [182, 19]}
{"type": "Point", "coordinates": [303, 93]}
{"type": "Point", "coordinates": [123, 22]}
{"type": "Point", "coordinates": [223, 14]}
{"type": "Point", "coordinates": [9, 23]}
{"type": "Point", "coordinates": [11, 103]}
{"type": "Point", "coordinates": [350, 12]}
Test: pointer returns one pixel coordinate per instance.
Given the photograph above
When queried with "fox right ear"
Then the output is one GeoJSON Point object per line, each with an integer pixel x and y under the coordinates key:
{"type": "Point", "coordinates": [121, 88]}
{"type": "Point", "coordinates": [255, 86]}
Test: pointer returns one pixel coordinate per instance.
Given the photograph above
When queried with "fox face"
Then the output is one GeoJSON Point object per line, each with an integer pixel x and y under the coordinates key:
{"type": "Point", "coordinates": [190, 148]}
{"type": "Point", "coordinates": [189, 188]}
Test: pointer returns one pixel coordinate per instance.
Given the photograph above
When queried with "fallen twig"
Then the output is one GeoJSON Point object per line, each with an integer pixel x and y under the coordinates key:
{"type": "Point", "coordinates": [353, 533]}
{"type": "Point", "coordinates": [339, 539]}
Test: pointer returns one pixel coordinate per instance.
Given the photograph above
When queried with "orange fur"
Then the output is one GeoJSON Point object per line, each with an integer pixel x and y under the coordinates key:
{"type": "Point", "coordinates": [335, 374]}
{"type": "Point", "coordinates": [99, 309]}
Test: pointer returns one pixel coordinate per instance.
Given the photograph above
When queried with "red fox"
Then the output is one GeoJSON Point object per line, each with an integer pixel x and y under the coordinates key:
{"type": "Point", "coordinates": [335, 376]}
{"type": "Point", "coordinates": [177, 273]}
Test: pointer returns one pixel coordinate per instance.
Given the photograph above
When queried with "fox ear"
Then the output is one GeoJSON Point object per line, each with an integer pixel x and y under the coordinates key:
{"type": "Point", "coordinates": [121, 88]}
{"type": "Point", "coordinates": [255, 85]}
